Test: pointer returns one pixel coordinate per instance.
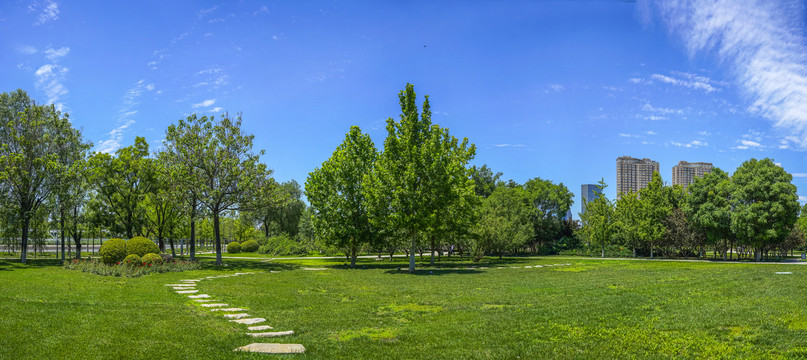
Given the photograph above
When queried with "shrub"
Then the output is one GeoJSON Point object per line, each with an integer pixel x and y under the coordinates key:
{"type": "Point", "coordinates": [113, 251]}
{"type": "Point", "coordinates": [141, 246]}
{"type": "Point", "coordinates": [282, 245]}
{"type": "Point", "coordinates": [249, 246]}
{"type": "Point", "coordinates": [167, 258]}
{"type": "Point", "coordinates": [233, 247]}
{"type": "Point", "coordinates": [152, 259]}
{"type": "Point", "coordinates": [99, 268]}
{"type": "Point", "coordinates": [132, 259]}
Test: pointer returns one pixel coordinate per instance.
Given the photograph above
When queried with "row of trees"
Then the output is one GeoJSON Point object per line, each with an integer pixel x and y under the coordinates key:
{"type": "Point", "coordinates": [206, 169]}
{"type": "Point", "coordinates": [419, 192]}
{"type": "Point", "coordinates": [754, 210]}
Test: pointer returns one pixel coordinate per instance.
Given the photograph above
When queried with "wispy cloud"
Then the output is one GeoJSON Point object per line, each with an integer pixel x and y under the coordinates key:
{"type": "Point", "coordinates": [26, 49]}
{"type": "Point", "coordinates": [691, 144]}
{"type": "Point", "coordinates": [556, 87]}
{"type": "Point", "coordinates": [262, 10]}
{"type": "Point", "coordinates": [763, 41]}
{"type": "Point", "coordinates": [650, 132]}
{"type": "Point", "coordinates": [49, 12]}
{"type": "Point", "coordinates": [205, 103]}
{"type": "Point", "coordinates": [799, 175]}
{"type": "Point", "coordinates": [126, 119]}
{"type": "Point", "coordinates": [628, 135]}
{"type": "Point", "coordinates": [54, 54]}
{"type": "Point", "coordinates": [216, 109]}
{"type": "Point", "coordinates": [802, 198]}
{"type": "Point", "coordinates": [50, 78]}
{"type": "Point", "coordinates": [691, 81]}
{"type": "Point", "coordinates": [661, 110]}
{"type": "Point", "coordinates": [509, 145]}
{"type": "Point", "coordinates": [204, 12]}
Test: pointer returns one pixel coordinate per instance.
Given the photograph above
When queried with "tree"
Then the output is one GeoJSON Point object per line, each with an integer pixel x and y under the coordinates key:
{"type": "Point", "coordinates": [505, 220]}
{"type": "Point", "coordinates": [218, 157]}
{"type": "Point", "coordinates": [764, 203]}
{"type": "Point", "coordinates": [282, 209]}
{"type": "Point", "coordinates": [163, 207]}
{"type": "Point", "coordinates": [335, 191]}
{"type": "Point", "coordinates": [31, 138]}
{"type": "Point", "coordinates": [123, 181]}
{"type": "Point", "coordinates": [550, 203]}
{"type": "Point", "coordinates": [484, 180]}
{"type": "Point", "coordinates": [656, 207]}
{"type": "Point", "coordinates": [597, 220]}
{"type": "Point", "coordinates": [708, 205]}
{"type": "Point", "coordinates": [421, 171]}
{"type": "Point", "coordinates": [628, 220]}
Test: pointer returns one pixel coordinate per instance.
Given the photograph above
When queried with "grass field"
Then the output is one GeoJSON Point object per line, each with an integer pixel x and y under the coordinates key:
{"type": "Point", "coordinates": [588, 309]}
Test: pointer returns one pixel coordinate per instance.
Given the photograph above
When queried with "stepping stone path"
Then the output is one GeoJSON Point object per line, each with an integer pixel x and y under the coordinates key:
{"type": "Point", "coordinates": [784, 273]}
{"type": "Point", "coordinates": [272, 334]}
{"type": "Point", "coordinates": [273, 348]}
{"type": "Point", "coordinates": [314, 269]}
{"type": "Point", "coordinates": [187, 287]}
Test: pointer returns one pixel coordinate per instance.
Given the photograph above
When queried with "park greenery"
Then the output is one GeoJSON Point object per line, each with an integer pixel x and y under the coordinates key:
{"type": "Point", "coordinates": [206, 186]}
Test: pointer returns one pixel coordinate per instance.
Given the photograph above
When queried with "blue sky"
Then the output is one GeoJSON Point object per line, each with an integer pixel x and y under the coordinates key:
{"type": "Point", "coordinates": [550, 89]}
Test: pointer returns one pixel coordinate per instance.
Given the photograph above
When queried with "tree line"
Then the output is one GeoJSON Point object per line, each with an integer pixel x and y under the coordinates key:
{"type": "Point", "coordinates": [753, 213]}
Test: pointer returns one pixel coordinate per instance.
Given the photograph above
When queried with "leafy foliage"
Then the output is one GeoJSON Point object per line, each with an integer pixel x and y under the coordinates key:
{"type": "Point", "coordinates": [141, 246]}
{"type": "Point", "coordinates": [132, 259]}
{"type": "Point", "coordinates": [282, 245]}
{"type": "Point", "coordinates": [234, 247]}
{"type": "Point", "coordinates": [249, 246]}
{"type": "Point", "coordinates": [505, 220]}
{"type": "Point", "coordinates": [151, 259]}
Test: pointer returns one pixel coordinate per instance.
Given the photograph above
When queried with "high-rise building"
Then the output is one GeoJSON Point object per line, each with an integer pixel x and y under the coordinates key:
{"type": "Point", "coordinates": [588, 192]}
{"type": "Point", "coordinates": [633, 174]}
{"type": "Point", "coordinates": [685, 172]}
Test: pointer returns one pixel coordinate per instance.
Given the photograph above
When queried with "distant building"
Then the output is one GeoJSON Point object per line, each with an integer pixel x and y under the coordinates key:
{"type": "Point", "coordinates": [685, 172]}
{"type": "Point", "coordinates": [588, 192]}
{"type": "Point", "coordinates": [633, 174]}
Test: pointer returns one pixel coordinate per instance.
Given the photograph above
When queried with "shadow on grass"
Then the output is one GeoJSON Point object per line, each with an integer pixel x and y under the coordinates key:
{"type": "Point", "coordinates": [244, 265]}
{"type": "Point", "coordinates": [11, 265]}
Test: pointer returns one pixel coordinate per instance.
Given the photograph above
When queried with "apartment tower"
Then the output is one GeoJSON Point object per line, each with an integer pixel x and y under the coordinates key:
{"type": "Point", "coordinates": [633, 174]}
{"type": "Point", "coordinates": [685, 172]}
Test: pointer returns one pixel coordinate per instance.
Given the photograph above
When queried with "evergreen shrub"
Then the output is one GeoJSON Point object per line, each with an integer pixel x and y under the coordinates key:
{"type": "Point", "coordinates": [141, 246]}
{"type": "Point", "coordinates": [249, 246]}
{"type": "Point", "coordinates": [113, 251]}
{"type": "Point", "coordinates": [234, 247]}
{"type": "Point", "coordinates": [152, 259]}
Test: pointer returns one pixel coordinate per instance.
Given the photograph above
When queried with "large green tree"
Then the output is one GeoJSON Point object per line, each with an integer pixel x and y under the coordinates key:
{"type": "Point", "coordinates": [629, 222]}
{"type": "Point", "coordinates": [655, 199]}
{"type": "Point", "coordinates": [164, 206]}
{"type": "Point", "coordinates": [31, 139]}
{"type": "Point", "coordinates": [421, 173]}
{"type": "Point", "coordinates": [597, 221]}
{"type": "Point", "coordinates": [225, 171]}
{"type": "Point", "coordinates": [764, 204]}
{"type": "Point", "coordinates": [335, 191]}
{"type": "Point", "coordinates": [280, 212]}
{"type": "Point", "coordinates": [550, 203]}
{"type": "Point", "coordinates": [505, 221]}
{"type": "Point", "coordinates": [123, 181]}
{"type": "Point", "coordinates": [708, 206]}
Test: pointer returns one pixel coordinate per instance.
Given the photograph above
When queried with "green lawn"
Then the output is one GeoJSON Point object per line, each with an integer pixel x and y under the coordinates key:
{"type": "Point", "coordinates": [589, 309]}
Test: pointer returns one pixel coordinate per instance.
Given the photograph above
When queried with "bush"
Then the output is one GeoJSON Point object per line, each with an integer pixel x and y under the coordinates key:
{"type": "Point", "coordinates": [113, 251]}
{"type": "Point", "coordinates": [249, 246]}
{"type": "Point", "coordinates": [282, 245]}
{"type": "Point", "coordinates": [99, 268]}
{"type": "Point", "coordinates": [141, 246]}
{"type": "Point", "coordinates": [234, 247]}
{"type": "Point", "coordinates": [167, 258]}
{"type": "Point", "coordinates": [132, 260]}
{"type": "Point", "coordinates": [152, 259]}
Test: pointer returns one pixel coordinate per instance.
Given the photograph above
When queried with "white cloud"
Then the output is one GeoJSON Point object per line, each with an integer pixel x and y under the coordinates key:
{"type": "Point", "coordinates": [556, 87]}
{"type": "Point", "coordinates": [763, 41]}
{"type": "Point", "coordinates": [802, 198]}
{"type": "Point", "coordinates": [205, 103]}
{"type": "Point", "coordinates": [27, 50]}
{"type": "Point", "coordinates": [691, 144]}
{"type": "Point", "coordinates": [49, 13]}
{"type": "Point", "coordinates": [628, 135]}
{"type": "Point", "coordinates": [691, 81]}
{"type": "Point", "coordinates": [53, 54]}
{"type": "Point", "coordinates": [509, 145]}
{"type": "Point", "coordinates": [210, 71]}
{"type": "Point", "coordinates": [50, 78]}
{"type": "Point", "coordinates": [635, 80]}
{"type": "Point", "coordinates": [650, 132]}
{"type": "Point", "coordinates": [262, 10]}
{"type": "Point", "coordinates": [216, 109]}
{"type": "Point", "coordinates": [654, 117]}
{"type": "Point", "coordinates": [704, 133]}
{"type": "Point", "coordinates": [661, 110]}
{"type": "Point", "coordinates": [125, 117]}
{"type": "Point", "coordinates": [204, 12]}
{"type": "Point", "coordinates": [115, 137]}
{"type": "Point", "coordinates": [750, 143]}
{"type": "Point", "coordinates": [799, 175]}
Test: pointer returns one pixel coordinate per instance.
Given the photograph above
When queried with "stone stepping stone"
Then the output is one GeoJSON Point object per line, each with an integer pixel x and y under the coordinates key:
{"type": "Point", "coordinates": [214, 305]}
{"type": "Point", "coordinates": [314, 269]}
{"type": "Point", "coordinates": [528, 267]}
{"type": "Point", "coordinates": [190, 280]}
{"type": "Point", "coordinates": [249, 321]}
{"type": "Point", "coordinates": [259, 328]}
{"type": "Point", "coordinates": [273, 348]}
{"type": "Point", "coordinates": [228, 309]}
{"type": "Point", "coordinates": [272, 334]}
{"type": "Point", "coordinates": [183, 288]}
{"type": "Point", "coordinates": [187, 291]}
{"type": "Point", "coordinates": [784, 273]}
{"type": "Point", "coordinates": [236, 316]}
{"type": "Point", "coordinates": [199, 296]}
{"type": "Point", "coordinates": [204, 300]}
{"type": "Point", "coordinates": [180, 284]}
{"type": "Point", "coordinates": [249, 273]}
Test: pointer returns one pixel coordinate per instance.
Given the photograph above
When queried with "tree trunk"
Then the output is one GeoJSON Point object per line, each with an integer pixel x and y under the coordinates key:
{"type": "Point", "coordinates": [432, 244]}
{"type": "Point", "coordinates": [193, 234]}
{"type": "Point", "coordinates": [651, 250]}
{"type": "Point", "coordinates": [757, 254]}
{"type": "Point", "coordinates": [26, 221]}
{"type": "Point", "coordinates": [353, 257]}
{"type": "Point", "coordinates": [634, 251]}
{"type": "Point", "coordinates": [413, 248]}
{"type": "Point", "coordinates": [217, 236]}
{"type": "Point", "coordinates": [61, 225]}
{"type": "Point", "coordinates": [603, 251]}
{"type": "Point", "coordinates": [173, 251]}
